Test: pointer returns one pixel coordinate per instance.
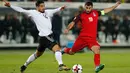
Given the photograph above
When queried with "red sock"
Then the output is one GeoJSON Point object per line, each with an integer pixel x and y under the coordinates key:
{"type": "Point", "coordinates": [67, 50]}
{"type": "Point", "coordinates": [97, 59]}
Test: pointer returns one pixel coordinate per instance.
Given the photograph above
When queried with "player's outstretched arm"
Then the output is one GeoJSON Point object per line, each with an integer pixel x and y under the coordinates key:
{"type": "Point", "coordinates": [52, 11]}
{"type": "Point", "coordinates": [107, 10]}
{"type": "Point", "coordinates": [18, 9]}
{"type": "Point", "coordinates": [70, 26]}
{"type": "Point", "coordinates": [59, 9]}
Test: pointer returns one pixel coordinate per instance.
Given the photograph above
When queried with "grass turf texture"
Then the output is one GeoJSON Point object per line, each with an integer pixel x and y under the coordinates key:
{"type": "Point", "coordinates": [116, 61]}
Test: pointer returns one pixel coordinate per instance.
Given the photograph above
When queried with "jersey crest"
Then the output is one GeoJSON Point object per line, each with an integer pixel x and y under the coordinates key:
{"type": "Point", "coordinates": [90, 19]}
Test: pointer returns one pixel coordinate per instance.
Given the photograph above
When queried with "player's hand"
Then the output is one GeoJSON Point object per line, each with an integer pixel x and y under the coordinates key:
{"type": "Point", "coordinates": [62, 8]}
{"type": "Point", "coordinates": [118, 3]}
{"type": "Point", "coordinates": [66, 31]}
{"type": "Point", "coordinates": [6, 3]}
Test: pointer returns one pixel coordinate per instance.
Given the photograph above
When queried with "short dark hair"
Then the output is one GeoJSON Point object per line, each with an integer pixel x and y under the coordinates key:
{"type": "Point", "coordinates": [39, 2]}
{"type": "Point", "coordinates": [89, 3]}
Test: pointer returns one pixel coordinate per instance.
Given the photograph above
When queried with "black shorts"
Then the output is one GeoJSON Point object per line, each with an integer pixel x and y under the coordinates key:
{"type": "Point", "coordinates": [46, 42]}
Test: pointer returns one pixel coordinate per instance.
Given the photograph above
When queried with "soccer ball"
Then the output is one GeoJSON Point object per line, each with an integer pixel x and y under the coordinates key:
{"type": "Point", "coordinates": [77, 68]}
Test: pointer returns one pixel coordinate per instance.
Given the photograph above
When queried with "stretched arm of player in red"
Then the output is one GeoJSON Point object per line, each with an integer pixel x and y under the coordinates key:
{"type": "Point", "coordinates": [112, 8]}
{"type": "Point", "coordinates": [70, 26]}
{"type": "Point", "coordinates": [75, 20]}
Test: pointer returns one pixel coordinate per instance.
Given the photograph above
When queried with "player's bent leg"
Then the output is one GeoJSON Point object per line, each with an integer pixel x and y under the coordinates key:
{"type": "Point", "coordinates": [96, 51]}
{"type": "Point", "coordinates": [58, 55]}
{"type": "Point", "coordinates": [79, 44]}
{"type": "Point", "coordinates": [30, 59]}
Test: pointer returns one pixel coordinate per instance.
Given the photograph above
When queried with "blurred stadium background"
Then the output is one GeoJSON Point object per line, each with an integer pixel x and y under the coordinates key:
{"type": "Point", "coordinates": [18, 32]}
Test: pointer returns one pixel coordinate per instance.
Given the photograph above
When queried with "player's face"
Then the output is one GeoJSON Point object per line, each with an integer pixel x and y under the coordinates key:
{"type": "Point", "coordinates": [41, 7]}
{"type": "Point", "coordinates": [88, 8]}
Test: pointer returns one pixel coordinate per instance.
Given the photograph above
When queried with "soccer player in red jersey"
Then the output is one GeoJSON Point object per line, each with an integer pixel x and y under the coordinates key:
{"type": "Point", "coordinates": [88, 32]}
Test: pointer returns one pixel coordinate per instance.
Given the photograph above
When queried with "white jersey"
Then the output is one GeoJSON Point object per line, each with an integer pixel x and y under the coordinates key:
{"type": "Point", "coordinates": [42, 20]}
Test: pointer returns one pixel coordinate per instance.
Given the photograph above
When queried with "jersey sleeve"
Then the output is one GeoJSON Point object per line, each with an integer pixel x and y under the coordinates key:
{"type": "Point", "coordinates": [76, 19]}
{"type": "Point", "coordinates": [101, 13]}
{"type": "Point", "coordinates": [19, 9]}
{"type": "Point", "coordinates": [50, 12]}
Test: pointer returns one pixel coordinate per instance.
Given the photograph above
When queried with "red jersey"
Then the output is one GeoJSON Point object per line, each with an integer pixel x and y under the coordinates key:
{"type": "Point", "coordinates": [88, 23]}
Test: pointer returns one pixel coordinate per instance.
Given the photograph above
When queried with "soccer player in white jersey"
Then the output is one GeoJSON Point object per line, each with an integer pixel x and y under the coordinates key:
{"type": "Point", "coordinates": [42, 19]}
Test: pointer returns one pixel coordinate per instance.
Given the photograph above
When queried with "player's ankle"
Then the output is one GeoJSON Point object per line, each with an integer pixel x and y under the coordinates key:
{"type": "Point", "coordinates": [97, 65]}
{"type": "Point", "coordinates": [25, 65]}
{"type": "Point", "coordinates": [61, 65]}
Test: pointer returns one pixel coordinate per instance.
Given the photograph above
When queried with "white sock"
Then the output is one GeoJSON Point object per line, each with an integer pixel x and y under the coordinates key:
{"type": "Point", "coordinates": [58, 57]}
{"type": "Point", "coordinates": [30, 59]}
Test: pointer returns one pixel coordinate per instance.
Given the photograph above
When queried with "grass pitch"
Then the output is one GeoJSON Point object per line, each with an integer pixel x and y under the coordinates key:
{"type": "Point", "coordinates": [116, 61]}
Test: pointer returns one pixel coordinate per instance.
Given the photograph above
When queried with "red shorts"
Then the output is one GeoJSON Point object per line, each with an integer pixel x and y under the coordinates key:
{"type": "Point", "coordinates": [82, 42]}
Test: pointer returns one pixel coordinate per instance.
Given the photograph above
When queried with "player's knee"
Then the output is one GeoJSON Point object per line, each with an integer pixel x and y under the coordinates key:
{"type": "Point", "coordinates": [38, 54]}
{"type": "Point", "coordinates": [96, 50]}
{"type": "Point", "coordinates": [56, 48]}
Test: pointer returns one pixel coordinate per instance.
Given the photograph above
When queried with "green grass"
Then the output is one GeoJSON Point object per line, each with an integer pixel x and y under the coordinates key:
{"type": "Point", "coordinates": [116, 61]}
